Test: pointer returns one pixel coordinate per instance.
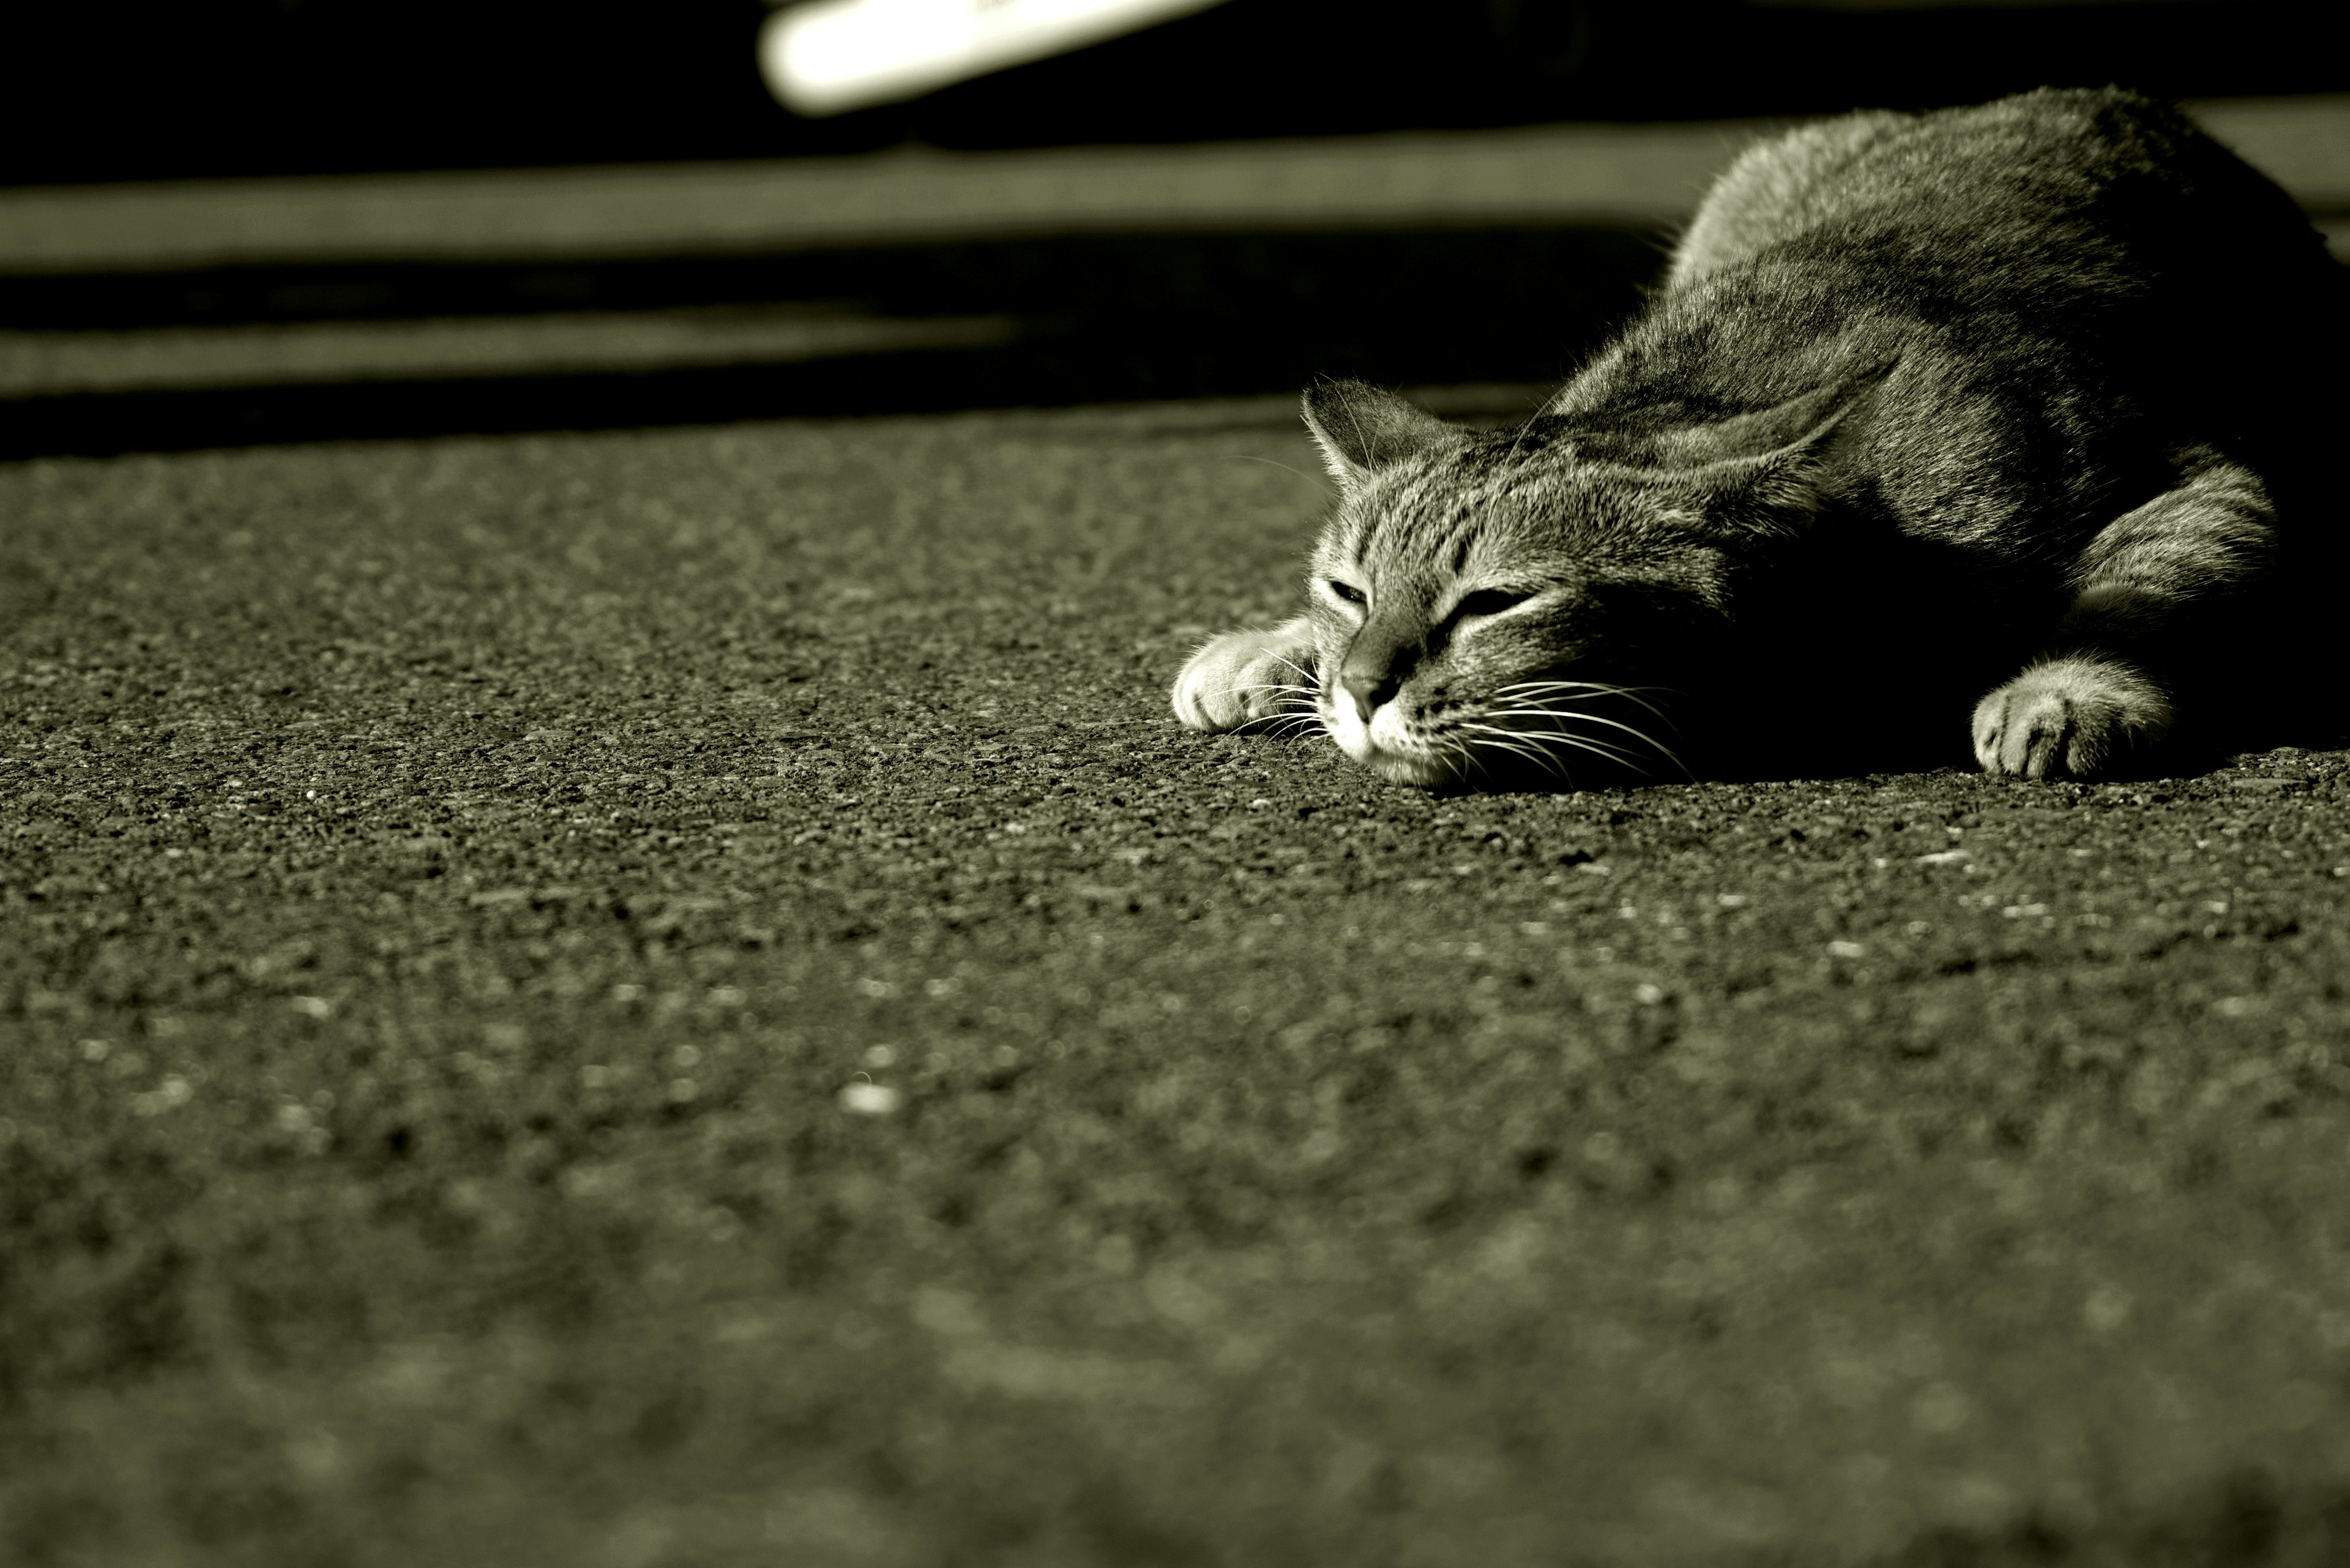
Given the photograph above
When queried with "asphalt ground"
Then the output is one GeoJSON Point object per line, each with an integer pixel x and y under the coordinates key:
{"type": "Point", "coordinates": [677, 998]}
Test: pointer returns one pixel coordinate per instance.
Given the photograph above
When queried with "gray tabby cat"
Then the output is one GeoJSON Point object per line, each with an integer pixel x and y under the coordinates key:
{"type": "Point", "coordinates": [2003, 400]}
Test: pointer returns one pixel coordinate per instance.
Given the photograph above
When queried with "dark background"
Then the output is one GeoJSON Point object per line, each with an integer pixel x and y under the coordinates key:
{"type": "Point", "coordinates": [157, 90]}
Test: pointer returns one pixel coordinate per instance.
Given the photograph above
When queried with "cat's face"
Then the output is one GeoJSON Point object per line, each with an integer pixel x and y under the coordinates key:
{"type": "Point", "coordinates": [1487, 605]}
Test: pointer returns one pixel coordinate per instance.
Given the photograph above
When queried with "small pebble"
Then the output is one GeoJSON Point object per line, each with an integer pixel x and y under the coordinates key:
{"type": "Point", "coordinates": [869, 1099]}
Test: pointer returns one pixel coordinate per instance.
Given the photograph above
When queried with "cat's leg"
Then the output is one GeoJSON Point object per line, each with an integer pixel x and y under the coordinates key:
{"type": "Point", "coordinates": [1243, 677]}
{"type": "Point", "coordinates": [2151, 600]}
{"type": "Point", "coordinates": [2072, 717]}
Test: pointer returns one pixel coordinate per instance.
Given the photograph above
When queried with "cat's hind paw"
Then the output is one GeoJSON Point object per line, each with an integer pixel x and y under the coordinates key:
{"type": "Point", "coordinates": [2068, 717]}
{"type": "Point", "coordinates": [1246, 677]}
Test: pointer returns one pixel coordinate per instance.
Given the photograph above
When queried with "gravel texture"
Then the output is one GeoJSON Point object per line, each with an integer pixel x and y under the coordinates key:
{"type": "Point", "coordinates": [677, 998]}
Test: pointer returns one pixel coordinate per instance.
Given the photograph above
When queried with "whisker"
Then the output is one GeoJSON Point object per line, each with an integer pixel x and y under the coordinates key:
{"type": "Point", "coordinates": [1497, 736]}
{"type": "Point", "coordinates": [1593, 687]}
{"type": "Point", "coordinates": [1464, 755]}
{"type": "Point", "coordinates": [1514, 742]}
{"type": "Point", "coordinates": [1640, 735]}
{"type": "Point", "coordinates": [1519, 439]}
{"type": "Point", "coordinates": [1573, 718]}
{"type": "Point", "coordinates": [1608, 687]}
{"type": "Point", "coordinates": [1543, 758]}
{"type": "Point", "coordinates": [1618, 758]}
{"type": "Point", "coordinates": [1525, 729]}
{"type": "Point", "coordinates": [1552, 734]}
{"type": "Point", "coordinates": [1597, 748]}
{"type": "Point", "coordinates": [1245, 457]}
{"type": "Point", "coordinates": [1311, 682]}
{"type": "Point", "coordinates": [1558, 684]}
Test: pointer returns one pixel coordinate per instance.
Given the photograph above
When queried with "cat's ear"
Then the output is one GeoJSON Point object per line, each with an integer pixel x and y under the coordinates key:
{"type": "Point", "coordinates": [1360, 428]}
{"type": "Point", "coordinates": [1802, 424]}
{"type": "Point", "coordinates": [1770, 465]}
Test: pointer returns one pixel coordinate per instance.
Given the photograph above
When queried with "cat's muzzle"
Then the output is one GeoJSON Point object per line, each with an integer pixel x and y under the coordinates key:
{"type": "Point", "coordinates": [1386, 745]}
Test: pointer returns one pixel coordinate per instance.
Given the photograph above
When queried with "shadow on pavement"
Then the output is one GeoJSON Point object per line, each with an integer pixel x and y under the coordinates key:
{"type": "Point", "coordinates": [1094, 319]}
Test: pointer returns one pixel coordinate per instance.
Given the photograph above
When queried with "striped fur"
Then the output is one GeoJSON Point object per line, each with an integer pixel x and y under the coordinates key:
{"type": "Point", "coordinates": [2001, 398]}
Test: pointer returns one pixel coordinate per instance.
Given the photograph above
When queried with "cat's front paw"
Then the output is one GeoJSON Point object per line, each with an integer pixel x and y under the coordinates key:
{"type": "Point", "coordinates": [1243, 677]}
{"type": "Point", "coordinates": [2068, 717]}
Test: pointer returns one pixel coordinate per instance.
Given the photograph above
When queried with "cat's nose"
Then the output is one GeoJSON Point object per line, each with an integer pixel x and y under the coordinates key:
{"type": "Point", "coordinates": [1367, 690]}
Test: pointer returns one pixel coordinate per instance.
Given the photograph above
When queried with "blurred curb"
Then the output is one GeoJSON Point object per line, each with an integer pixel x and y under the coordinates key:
{"type": "Point", "coordinates": [1611, 174]}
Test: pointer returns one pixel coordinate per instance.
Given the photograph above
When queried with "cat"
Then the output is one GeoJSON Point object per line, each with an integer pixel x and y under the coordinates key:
{"type": "Point", "coordinates": [1995, 409]}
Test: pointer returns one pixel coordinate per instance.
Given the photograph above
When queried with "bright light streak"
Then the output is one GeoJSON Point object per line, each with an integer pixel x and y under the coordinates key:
{"type": "Point", "coordinates": [831, 56]}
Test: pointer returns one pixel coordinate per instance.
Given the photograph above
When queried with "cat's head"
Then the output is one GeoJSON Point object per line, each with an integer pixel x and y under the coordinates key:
{"type": "Point", "coordinates": [1542, 597]}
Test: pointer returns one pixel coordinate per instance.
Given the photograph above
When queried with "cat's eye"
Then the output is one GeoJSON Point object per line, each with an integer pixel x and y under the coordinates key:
{"type": "Point", "coordinates": [1489, 602]}
{"type": "Point", "coordinates": [1348, 592]}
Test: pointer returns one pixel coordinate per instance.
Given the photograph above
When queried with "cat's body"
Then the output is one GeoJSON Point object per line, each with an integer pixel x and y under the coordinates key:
{"type": "Point", "coordinates": [1997, 401]}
